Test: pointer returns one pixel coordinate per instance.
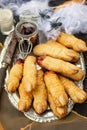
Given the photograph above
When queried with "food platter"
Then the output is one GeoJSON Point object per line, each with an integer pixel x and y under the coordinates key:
{"type": "Point", "coordinates": [14, 97]}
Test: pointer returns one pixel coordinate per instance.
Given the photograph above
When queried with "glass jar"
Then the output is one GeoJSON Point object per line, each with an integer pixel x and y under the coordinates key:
{"type": "Point", "coordinates": [6, 21]}
{"type": "Point", "coordinates": [27, 34]}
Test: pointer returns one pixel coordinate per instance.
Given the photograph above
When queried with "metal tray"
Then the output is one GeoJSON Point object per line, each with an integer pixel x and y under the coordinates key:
{"type": "Point", "coordinates": [14, 97]}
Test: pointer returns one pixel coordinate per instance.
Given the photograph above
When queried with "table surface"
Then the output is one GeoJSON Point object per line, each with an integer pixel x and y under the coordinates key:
{"type": "Point", "coordinates": [12, 119]}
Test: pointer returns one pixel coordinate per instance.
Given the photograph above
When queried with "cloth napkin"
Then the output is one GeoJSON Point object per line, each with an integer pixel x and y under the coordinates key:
{"type": "Point", "coordinates": [12, 119]}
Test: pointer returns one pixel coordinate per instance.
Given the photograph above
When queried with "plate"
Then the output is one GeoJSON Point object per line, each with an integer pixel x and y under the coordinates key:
{"type": "Point", "coordinates": [14, 97]}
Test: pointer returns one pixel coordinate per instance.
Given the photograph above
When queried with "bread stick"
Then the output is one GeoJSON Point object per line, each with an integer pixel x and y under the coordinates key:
{"type": "Point", "coordinates": [68, 3]}
{"type": "Point", "coordinates": [72, 42]}
{"type": "Point", "coordinates": [56, 50]}
{"type": "Point", "coordinates": [65, 68]}
{"type": "Point", "coordinates": [15, 76]}
{"type": "Point", "coordinates": [25, 99]}
{"type": "Point", "coordinates": [30, 73]}
{"type": "Point", "coordinates": [40, 94]}
{"type": "Point", "coordinates": [77, 94]}
{"type": "Point", "coordinates": [60, 112]}
{"type": "Point", "coordinates": [56, 89]}
{"type": "Point", "coordinates": [65, 4]}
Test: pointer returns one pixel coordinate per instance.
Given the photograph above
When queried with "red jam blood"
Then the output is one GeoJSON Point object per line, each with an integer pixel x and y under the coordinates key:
{"type": "Point", "coordinates": [20, 61]}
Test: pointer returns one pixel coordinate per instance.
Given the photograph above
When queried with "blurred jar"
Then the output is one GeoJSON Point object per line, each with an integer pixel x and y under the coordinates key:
{"type": "Point", "coordinates": [28, 16]}
{"type": "Point", "coordinates": [6, 22]}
